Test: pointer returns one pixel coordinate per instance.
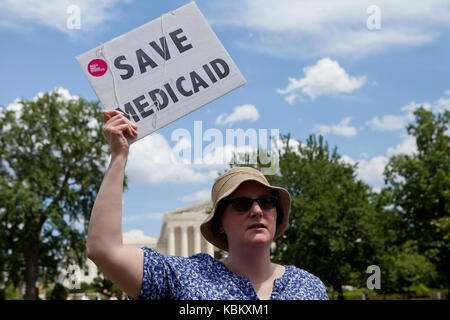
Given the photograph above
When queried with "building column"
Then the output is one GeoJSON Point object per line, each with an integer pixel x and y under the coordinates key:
{"type": "Point", "coordinates": [184, 241]}
{"type": "Point", "coordinates": [197, 243]}
{"type": "Point", "coordinates": [210, 249]}
{"type": "Point", "coordinates": [170, 241]}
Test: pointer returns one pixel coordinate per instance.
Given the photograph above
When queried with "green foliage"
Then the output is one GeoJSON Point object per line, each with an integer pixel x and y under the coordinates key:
{"type": "Point", "coordinates": [52, 160]}
{"type": "Point", "coordinates": [59, 292]}
{"type": "Point", "coordinates": [420, 187]}
{"type": "Point", "coordinates": [404, 268]}
{"type": "Point", "coordinates": [420, 290]}
{"type": "Point", "coordinates": [10, 293]}
{"type": "Point", "coordinates": [333, 224]}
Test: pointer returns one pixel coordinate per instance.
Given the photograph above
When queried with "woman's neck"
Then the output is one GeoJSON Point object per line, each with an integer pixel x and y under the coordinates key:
{"type": "Point", "coordinates": [252, 263]}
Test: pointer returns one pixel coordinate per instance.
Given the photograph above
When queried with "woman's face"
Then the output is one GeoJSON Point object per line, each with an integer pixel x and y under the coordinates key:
{"type": "Point", "coordinates": [255, 227]}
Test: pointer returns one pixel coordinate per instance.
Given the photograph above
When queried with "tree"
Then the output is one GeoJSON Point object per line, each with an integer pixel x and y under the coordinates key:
{"type": "Point", "coordinates": [52, 160]}
{"type": "Point", "coordinates": [59, 292]}
{"type": "Point", "coordinates": [333, 225]}
{"type": "Point", "coordinates": [403, 268]}
{"type": "Point", "coordinates": [420, 186]}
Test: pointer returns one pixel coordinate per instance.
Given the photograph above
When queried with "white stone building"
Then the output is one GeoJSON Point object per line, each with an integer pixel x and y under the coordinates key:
{"type": "Point", "coordinates": [180, 231]}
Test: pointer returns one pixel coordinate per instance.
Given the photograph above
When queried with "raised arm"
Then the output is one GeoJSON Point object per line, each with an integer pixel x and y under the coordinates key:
{"type": "Point", "coordinates": [122, 264]}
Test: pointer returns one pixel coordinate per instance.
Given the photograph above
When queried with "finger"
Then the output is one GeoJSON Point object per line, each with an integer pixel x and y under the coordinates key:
{"type": "Point", "coordinates": [120, 123]}
{"type": "Point", "coordinates": [120, 129]}
{"type": "Point", "coordinates": [117, 119]}
{"type": "Point", "coordinates": [114, 124]}
{"type": "Point", "coordinates": [120, 118]}
{"type": "Point", "coordinates": [126, 129]}
{"type": "Point", "coordinates": [132, 131]}
{"type": "Point", "coordinates": [108, 114]}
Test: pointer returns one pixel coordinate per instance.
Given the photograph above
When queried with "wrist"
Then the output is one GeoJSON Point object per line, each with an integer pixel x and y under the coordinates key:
{"type": "Point", "coordinates": [120, 157]}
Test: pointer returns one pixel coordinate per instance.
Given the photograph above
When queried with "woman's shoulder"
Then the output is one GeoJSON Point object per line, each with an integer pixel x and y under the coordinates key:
{"type": "Point", "coordinates": [299, 277]}
{"type": "Point", "coordinates": [301, 274]}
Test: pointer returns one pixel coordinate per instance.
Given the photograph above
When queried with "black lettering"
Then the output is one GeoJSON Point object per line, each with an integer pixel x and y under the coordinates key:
{"type": "Point", "coordinates": [178, 41]}
{"type": "Point", "coordinates": [226, 69]}
{"type": "Point", "coordinates": [209, 73]}
{"type": "Point", "coordinates": [141, 107]}
{"type": "Point", "coordinates": [124, 66]}
{"type": "Point", "coordinates": [129, 110]}
{"type": "Point", "coordinates": [197, 81]}
{"type": "Point", "coordinates": [127, 116]}
{"type": "Point", "coordinates": [163, 51]}
{"type": "Point", "coordinates": [144, 60]}
{"type": "Point", "coordinates": [162, 94]}
{"type": "Point", "coordinates": [171, 93]}
{"type": "Point", "coordinates": [181, 89]}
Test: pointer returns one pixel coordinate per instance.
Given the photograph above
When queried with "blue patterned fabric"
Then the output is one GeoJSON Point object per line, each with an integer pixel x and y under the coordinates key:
{"type": "Point", "coordinates": [201, 277]}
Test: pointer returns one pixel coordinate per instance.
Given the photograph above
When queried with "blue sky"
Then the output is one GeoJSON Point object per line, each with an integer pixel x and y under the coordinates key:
{"type": "Point", "coordinates": [346, 69]}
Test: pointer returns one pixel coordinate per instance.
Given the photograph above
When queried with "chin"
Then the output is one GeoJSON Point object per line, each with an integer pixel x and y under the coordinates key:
{"type": "Point", "coordinates": [260, 241]}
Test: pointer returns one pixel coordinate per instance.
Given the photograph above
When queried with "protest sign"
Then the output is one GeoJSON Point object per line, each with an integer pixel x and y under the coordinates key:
{"type": "Point", "coordinates": [162, 70]}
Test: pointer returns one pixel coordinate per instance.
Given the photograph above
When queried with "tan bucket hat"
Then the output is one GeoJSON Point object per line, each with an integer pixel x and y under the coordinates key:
{"type": "Point", "coordinates": [225, 185]}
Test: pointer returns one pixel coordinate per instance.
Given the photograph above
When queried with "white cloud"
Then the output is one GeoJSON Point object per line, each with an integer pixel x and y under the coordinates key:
{"type": "Point", "coordinates": [65, 95]}
{"type": "Point", "coordinates": [290, 98]}
{"type": "Point", "coordinates": [406, 146]}
{"type": "Point", "coordinates": [369, 171]}
{"type": "Point", "coordinates": [442, 104]}
{"type": "Point", "coordinates": [19, 14]}
{"type": "Point", "coordinates": [312, 28]}
{"type": "Point", "coordinates": [389, 122]}
{"type": "Point", "coordinates": [246, 112]}
{"type": "Point", "coordinates": [326, 77]}
{"type": "Point", "coordinates": [136, 234]}
{"type": "Point", "coordinates": [152, 160]}
{"type": "Point", "coordinates": [15, 106]}
{"type": "Point", "coordinates": [197, 196]}
{"type": "Point", "coordinates": [412, 106]}
{"type": "Point", "coordinates": [341, 129]}
{"type": "Point", "coordinates": [393, 122]}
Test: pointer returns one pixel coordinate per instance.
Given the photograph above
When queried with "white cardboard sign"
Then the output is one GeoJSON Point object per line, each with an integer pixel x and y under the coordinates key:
{"type": "Point", "coordinates": [162, 70]}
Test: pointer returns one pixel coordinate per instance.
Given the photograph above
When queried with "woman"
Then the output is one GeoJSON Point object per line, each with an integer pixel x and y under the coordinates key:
{"type": "Point", "coordinates": [248, 214]}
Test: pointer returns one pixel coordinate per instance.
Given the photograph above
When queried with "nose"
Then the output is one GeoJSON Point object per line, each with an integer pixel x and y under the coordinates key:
{"type": "Point", "coordinates": [256, 209]}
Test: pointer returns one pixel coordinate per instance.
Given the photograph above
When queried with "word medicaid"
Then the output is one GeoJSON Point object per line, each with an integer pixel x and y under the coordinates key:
{"type": "Point", "coordinates": [184, 86]}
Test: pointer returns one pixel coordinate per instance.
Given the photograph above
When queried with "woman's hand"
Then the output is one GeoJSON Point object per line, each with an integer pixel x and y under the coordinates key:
{"type": "Point", "coordinates": [117, 130]}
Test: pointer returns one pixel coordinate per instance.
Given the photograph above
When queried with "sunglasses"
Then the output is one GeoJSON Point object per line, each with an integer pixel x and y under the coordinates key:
{"type": "Point", "coordinates": [244, 204]}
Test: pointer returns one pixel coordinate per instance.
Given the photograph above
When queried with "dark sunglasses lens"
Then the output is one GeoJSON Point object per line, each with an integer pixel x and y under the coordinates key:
{"type": "Point", "coordinates": [242, 204]}
{"type": "Point", "coordinates": [267, 202]}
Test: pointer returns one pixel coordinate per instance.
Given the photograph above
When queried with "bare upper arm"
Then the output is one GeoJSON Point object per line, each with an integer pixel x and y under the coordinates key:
{"type": "Point", "coordinates": [123, 266]}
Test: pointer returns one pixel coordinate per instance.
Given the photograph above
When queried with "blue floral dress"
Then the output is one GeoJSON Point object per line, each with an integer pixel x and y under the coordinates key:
{"type": "Point", "coordinates": [201, 277]}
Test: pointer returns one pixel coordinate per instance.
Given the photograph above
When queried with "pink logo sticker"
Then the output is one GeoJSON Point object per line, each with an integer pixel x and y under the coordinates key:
{"type": "Point", "coordinates": [97, 67]}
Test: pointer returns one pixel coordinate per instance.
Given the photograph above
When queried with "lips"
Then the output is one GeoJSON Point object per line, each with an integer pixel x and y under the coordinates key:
{"type": "Point", "coordinates": [256, 225]}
